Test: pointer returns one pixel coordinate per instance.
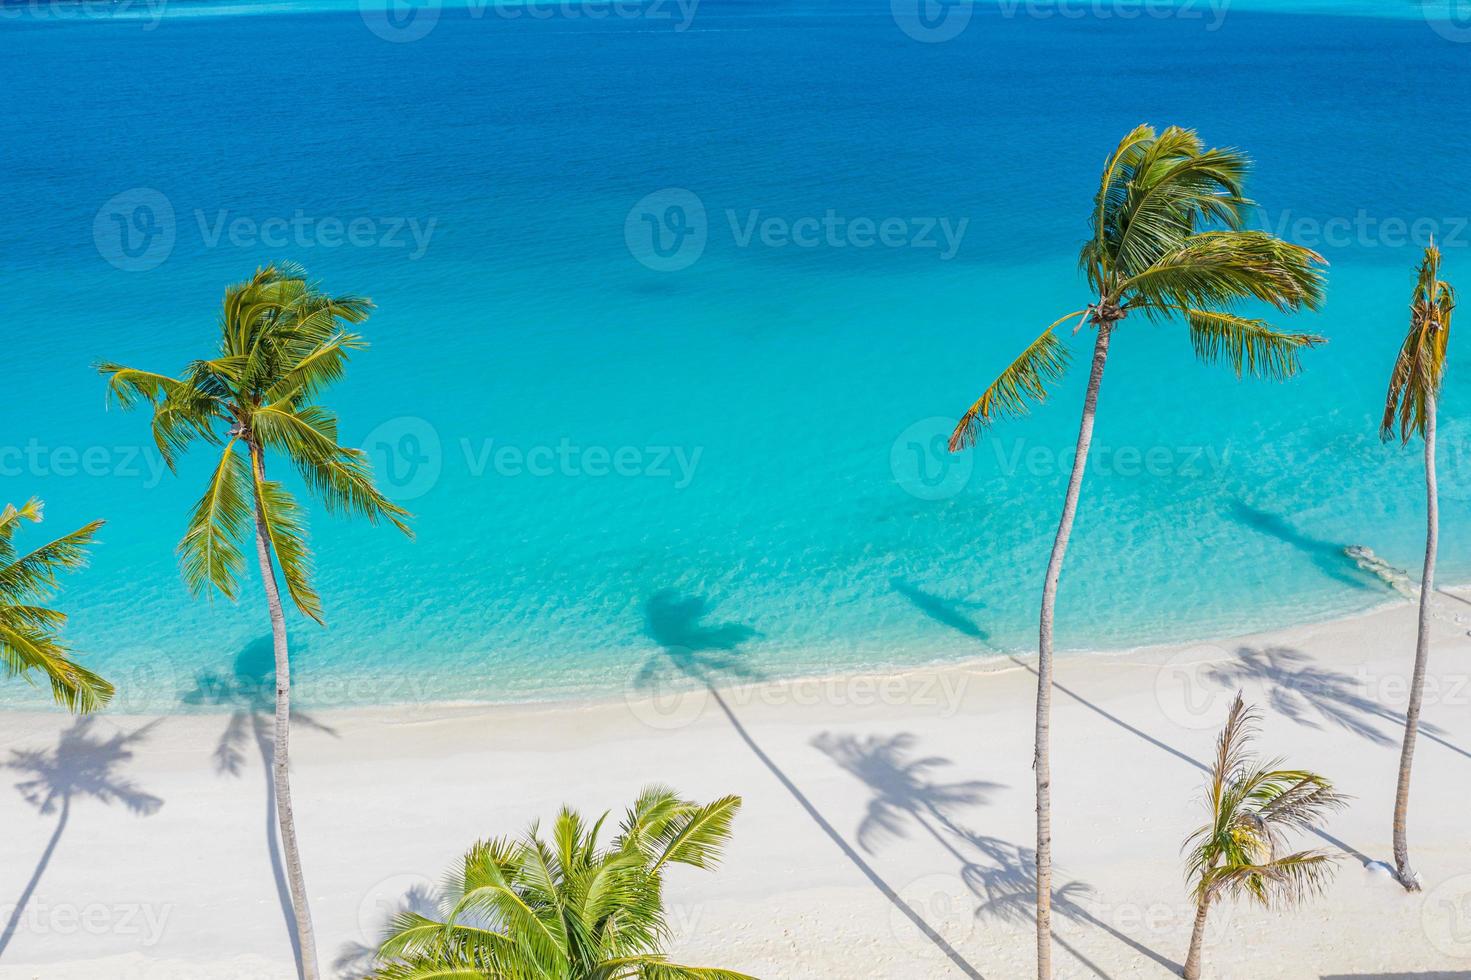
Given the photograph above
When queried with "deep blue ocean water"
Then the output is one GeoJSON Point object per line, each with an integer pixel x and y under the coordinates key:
{"type": "Point", "coordinates": [725, 437]}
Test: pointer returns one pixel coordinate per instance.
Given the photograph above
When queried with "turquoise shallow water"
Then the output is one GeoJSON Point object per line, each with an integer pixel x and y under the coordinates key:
{"type": "Point", "coordinates": [728, 447]}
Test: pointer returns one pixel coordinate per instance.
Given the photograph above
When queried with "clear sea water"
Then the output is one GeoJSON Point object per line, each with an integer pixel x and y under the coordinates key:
{"type": "Point", "coordinates": [728, 442]}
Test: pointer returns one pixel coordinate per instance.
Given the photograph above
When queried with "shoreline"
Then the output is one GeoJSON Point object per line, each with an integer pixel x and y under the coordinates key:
{"type": "Point", "coordinates": [998, 661]}
{"type": "Point", "coordinates": [865, 795]}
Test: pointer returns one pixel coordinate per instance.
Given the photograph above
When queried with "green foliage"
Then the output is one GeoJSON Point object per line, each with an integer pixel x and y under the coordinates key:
{"type": "Point", "coordinates": [282, 343]}
{"type": "Point", "coordinates": [565, 908]}
{"type": "Point", "coordinates": [30, 641]}
{"type": "Point", "coordinates": [1250, 805]}
{"type": "Point", "coordinates": [1420, 367]}
{"type": "Point", "coordinates": [1167, 241]}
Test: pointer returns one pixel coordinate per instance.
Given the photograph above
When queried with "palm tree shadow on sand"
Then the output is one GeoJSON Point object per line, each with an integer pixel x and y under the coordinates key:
{"type": "Point", "coordinates": [707, 653]}
{"type": "Point", "coordinates": [248, 689]}
{"type": "Point", "coordinates": [1000, 875]}
{"type": "Point", "coordinates": [81, 766]}
{"type": "Point", "coordinates": [1145, 736]}
{"type": "Point", "coordinates": [1301, 689]}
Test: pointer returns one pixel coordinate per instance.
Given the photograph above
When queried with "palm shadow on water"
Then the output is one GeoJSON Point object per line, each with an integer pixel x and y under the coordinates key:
{"type": "Point", "coordinates": [81, 766]}
{"type": "Point", "coordinates": [707, 653]}
{"type": "Point", "coordinates": [248, 689]}
{"type": "Point", "coordinates": [999, 874]}
{"type": "Point", "coordinates": [1328, 556]}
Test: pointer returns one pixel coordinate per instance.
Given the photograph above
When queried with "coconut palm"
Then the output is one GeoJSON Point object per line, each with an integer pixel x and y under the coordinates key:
{"type": "Point", "coordinates": [565, 909]}
{"type": "Point", "coordinates": [282, 341]}
{"type": "Point", "coordinates": [1167, 244]}
{"type": "Point", "coordinates": [1250, 804]}
{"type": "Point", "coordinates": [1409, 408]}
{"type": "Point", "coordinates": [30, 642]}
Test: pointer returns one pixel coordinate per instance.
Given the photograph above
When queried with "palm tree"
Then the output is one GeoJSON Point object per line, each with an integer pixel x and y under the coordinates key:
{"type": "Point", "coordinates": [1249, 804]}
{"type": "Point", "coordinates": [30, 642]}
{"type": "Point", "coordinates": [565, 909]}
{"type": "Point", "coordinates": [1410, 408]}
{"type": "Point", "coordinates": [1168, 244]}
{"type": "Point", "coordinates": [282, 341]}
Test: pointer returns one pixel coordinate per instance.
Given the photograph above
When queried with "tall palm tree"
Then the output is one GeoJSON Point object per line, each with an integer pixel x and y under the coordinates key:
{"type": "Point", "coordinates": [1167, 243]}
{"type": "Point", "coordinates": [1249, 806]}
{"type": "Point", "coordinates": [565, 909]}
{"type": "Point", "coordinates": [30, 642]}
{"type": "Point", "coordinates": [1410, 408]}
{"type": "Point", "coordinates": [282, 341]}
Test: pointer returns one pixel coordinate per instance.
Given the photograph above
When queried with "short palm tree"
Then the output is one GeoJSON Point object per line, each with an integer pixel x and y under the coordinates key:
{"type": "Point", "coordinates": [1167, 243]}
{"type": "Point", "coordinates": [565, 909]}
{"type": "Point", "coordinates": [282, 341]}
{"type": "Point", "coordinates": [1250, 805]}
{"type": "Point", "coordinates": [30, 641]}
{"type": "Point", "coordinates": [1409, 408]}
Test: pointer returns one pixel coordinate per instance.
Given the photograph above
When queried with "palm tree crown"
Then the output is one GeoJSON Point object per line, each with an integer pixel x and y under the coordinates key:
{"type": "Point", "coordinates": [1168, 242]}
{"type": "Point", "coordinates": [565, 909]}
{"type": "Point", "coordinates": [1250, 804]}
{"type": "Point", "coordinates": [1421, 363]}
{"type": "Point", "coordinates": [282, 342]}
{"type": "Point", "coordinates": [29, 632]}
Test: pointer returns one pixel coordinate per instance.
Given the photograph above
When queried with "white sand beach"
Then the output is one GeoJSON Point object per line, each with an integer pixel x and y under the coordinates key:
{"type": "Point", "coordinates": [884, 832]}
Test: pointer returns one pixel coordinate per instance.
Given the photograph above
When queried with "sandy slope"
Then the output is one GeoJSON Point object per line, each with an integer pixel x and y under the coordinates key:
{"type": "Point", "coordinates": [884, 831]}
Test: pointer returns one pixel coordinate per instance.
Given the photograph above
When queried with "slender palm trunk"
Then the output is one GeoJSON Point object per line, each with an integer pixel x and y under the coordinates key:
{"type": "Point", "coordinates": [1197, 940]}
{"type": "Point", "coordinates": [1406, 874]}
{"type": "Point", "coordinates": [1041, 761]}
{"type": "Point", "coordinates": [281, 754]}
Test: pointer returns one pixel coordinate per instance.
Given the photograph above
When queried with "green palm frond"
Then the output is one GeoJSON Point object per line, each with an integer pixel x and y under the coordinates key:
{"type": "Point", "coordinates": [1249, 346]}
{"type": "Point", "coordinates": [282, 518]}
{"type": "Point", "coordinates": [535, 909]}
{"type": "Point", "coordinates": [210, 554]}
{"type": "Point", "coordinates": [1025, 380]}
{"type": "Point", "coordinates": [30, 642]}
{"type": "Point", "coordinates": [1420, 366]}
{"type": "Point", "coordinates": [699, 837]}
{"type": "Point", "coordinates": [1220, 268]}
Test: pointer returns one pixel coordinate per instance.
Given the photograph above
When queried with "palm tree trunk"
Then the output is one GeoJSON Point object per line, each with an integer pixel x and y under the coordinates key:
{"type": "Point", "coordinates": [1197, 940]}
{"type": "Point", "coordinates": [281, 754]}
{"type": "Point", "coordinates": [1406, 874]}
{"type": "Point", "coordinates": [1041, 761]}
